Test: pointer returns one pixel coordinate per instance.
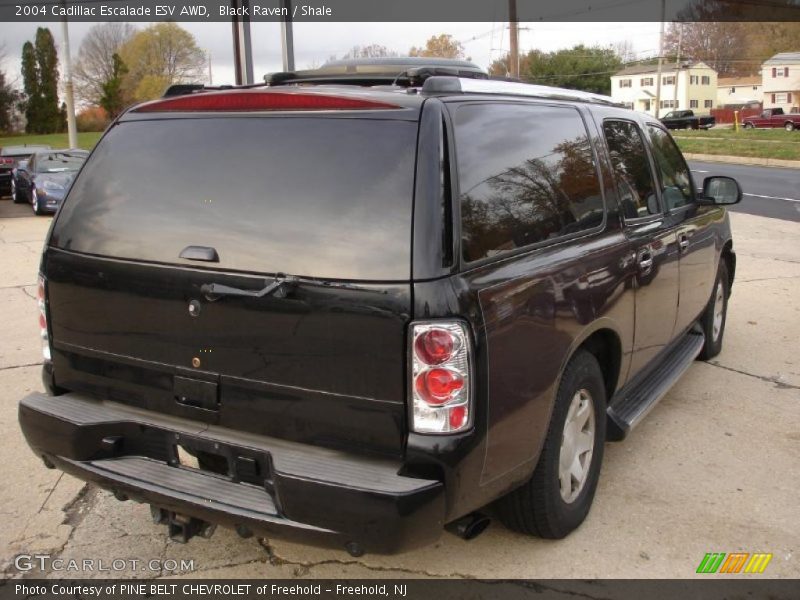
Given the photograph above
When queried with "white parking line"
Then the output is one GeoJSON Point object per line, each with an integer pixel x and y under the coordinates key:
{"type": "Point", "coordinates": [772, 197]}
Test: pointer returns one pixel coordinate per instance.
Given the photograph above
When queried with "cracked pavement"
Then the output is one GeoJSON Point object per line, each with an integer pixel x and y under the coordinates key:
{"type": "Point", "coordinates": [713, 468]}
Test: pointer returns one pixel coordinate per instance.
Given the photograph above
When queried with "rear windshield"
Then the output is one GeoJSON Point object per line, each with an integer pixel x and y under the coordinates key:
{"type": "Point", "coordinates": [317, 197]}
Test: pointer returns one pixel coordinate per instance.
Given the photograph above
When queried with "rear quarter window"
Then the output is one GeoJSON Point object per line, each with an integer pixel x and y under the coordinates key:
{"type": "Point", "coordinates": [526, 174]}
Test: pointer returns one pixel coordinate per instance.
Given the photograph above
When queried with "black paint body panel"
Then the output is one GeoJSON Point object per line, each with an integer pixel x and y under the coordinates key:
{"type": "Point", "coordinates": [324, 363]}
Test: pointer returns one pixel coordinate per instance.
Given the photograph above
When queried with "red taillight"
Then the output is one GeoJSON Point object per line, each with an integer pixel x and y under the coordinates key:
{"type": "Point", "coordinates": [6, 161]}
{"type": "Point", "coordinates": [458, 417]}
{"type": "Point", "coordinates": [437, 386]}
{"type": "Point", "coordinates": [41, 301]}
{"type": "Point", "coordinates": [249, 100]}
{"type": "Point", "coordinates": [435, 346]}
{"type": "Point", "coordinates": [441, 370]}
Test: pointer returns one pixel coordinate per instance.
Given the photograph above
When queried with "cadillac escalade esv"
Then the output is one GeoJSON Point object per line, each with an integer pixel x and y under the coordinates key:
{"type": "Point", "coordinates": [354, 314]}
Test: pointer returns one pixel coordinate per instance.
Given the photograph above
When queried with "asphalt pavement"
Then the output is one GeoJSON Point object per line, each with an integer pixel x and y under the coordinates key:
{"type": "Point", "coordinates": [768, 191]}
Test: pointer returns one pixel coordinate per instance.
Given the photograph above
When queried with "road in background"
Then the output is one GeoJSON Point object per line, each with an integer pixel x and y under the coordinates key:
{"type": "Point", "coordinates": [768, 191]}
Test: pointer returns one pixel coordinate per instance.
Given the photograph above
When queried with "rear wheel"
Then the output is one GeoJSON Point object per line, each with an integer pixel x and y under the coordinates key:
{"type": "Point", "coordinates": [716, 314]}
{"type": "Point", "coordinates": [559, 494]}
{"type": "Point", "coordinates": [748, 125]}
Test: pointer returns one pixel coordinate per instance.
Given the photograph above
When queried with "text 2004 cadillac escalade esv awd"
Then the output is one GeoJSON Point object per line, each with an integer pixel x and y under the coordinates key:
{"type": "Point", "coordinates": [355, 314]}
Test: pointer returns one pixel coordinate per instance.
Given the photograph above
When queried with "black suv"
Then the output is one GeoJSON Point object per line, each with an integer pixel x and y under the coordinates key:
{"type": "Point", "coordinates": [355, 314]}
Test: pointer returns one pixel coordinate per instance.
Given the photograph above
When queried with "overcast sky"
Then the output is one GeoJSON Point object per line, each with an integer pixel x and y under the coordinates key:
{"type": "Point", "coordinates": [316, 42]}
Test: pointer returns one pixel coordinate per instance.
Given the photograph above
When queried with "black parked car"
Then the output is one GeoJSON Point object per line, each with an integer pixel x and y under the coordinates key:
{"type": "Point", "coordinates": [10, 156]}
{"type": "Point", "coordinates": [380, 310]}
{"type": "Point", "coordinates": [45, 177]}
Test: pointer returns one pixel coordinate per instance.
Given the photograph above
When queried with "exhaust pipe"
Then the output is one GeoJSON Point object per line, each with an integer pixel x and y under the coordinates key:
{"type": "Point", "coordinates": [470, 526]}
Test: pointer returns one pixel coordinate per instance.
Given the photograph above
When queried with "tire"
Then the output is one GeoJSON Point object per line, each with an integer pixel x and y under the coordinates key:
{"type": "Point", "coordinates": [15, 196]}
{"type": "Point", "coordinates": [539, 507]}
{"type": "Point", "coordinates": [715, 314]}
{"type": "Point", "coordinates": [748, 126]}
{"type": "Point", "coordinates": [35, 202]}
{"type": "Point", "coordinates": [789, 126]}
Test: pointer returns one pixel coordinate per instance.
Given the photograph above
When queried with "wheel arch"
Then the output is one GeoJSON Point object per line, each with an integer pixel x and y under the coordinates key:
{"type": "Point", "coordinates": [603, 341]}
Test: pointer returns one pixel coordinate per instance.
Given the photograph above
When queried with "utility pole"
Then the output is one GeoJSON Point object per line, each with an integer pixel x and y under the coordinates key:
{"type": "Point", "coordinates": [287, 38]}
{"type": "Point", "coordinates": [660, 59]}
{"type": "Point", "coordinates": [678, 68]}
{"type": "Point", "coordinates": [242, 47]}
{"type": "Point", "coordinates": [72, 128]}
{"type": "Point", "coordinates": [513, 25]}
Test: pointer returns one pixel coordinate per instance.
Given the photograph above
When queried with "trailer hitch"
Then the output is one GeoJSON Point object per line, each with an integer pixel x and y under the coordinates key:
{"type": "Point", "coordinates": [180, 527]}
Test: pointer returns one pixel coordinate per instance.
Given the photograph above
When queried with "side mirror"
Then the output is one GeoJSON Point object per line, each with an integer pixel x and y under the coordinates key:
{"type": "Point", "coordinates": [722, 190]}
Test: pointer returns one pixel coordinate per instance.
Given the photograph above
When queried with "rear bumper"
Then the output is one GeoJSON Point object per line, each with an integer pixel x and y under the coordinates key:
{"type": "Point", "coordinates": [275, 487]}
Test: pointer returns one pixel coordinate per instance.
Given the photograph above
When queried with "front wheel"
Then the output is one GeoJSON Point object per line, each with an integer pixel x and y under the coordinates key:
{"type": "Point", "coordinates": [35, 202]}
{"type": "Point", "coordinates": [15, 196]}
{"type": "Point", "coordinates": [789, 126]}
{"type": "Point", "coordinates": [559, 494]}
{"type": "Point", "coordinates": [716, 315]}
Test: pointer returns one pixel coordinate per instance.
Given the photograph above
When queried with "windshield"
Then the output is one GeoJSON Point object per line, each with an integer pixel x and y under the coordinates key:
{"type": "Point", "coordinates": [59, 162]}
{"type": "Point", "coordinates": [319, 197]}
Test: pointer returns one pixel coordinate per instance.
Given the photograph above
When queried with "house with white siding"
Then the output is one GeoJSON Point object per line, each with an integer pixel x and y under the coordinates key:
{"type": "Point", "coordinates": [692, 85]}
{"type": "Point", "coordinates": [781, 81]}
{"type": "Point", "coordinates": [736, 92]}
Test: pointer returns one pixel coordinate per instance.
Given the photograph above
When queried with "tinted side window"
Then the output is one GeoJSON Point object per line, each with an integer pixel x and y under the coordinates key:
{"type": "Point", "coordinates": [631, 169]}
{"type": "Point", "coordinates": [526, 174]}
{"type": "Point", "coordinates": [676, 181]}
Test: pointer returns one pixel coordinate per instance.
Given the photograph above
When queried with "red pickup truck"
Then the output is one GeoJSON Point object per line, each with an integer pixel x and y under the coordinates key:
{"type": "Point", "coordinates": [773, 117]}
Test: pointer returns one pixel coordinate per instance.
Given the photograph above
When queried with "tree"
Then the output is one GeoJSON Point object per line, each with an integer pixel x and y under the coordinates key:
{"type": "Point", "coordinates": [439, 46]}
{"type": "Point", "coordinates": [40, 84]}
{"type": "Point", "coordinates": [720, 45]}
{"type": "Point", "coordinates": [159, 56]}
{"type": "Point", "coordinates": [370, 51]}
{"type": "Point", "coordinates": [7, 99]}
{"type": "Point", "coordinates": [32, 101]}
{"type": "Point", "coordinates": [52, 118]}
{"type": "Point", "coordinates": [94, 67]}
{"type": "Point", "coordinates": [624, 50]}
{"type": "Point", "coordinates": [579, 68]}
{"type": "Point", "coordinates": [113, 99]}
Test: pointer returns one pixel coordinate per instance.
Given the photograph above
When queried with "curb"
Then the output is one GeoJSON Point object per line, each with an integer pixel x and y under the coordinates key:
{"type": "Point", "coordinates": [744, 160]}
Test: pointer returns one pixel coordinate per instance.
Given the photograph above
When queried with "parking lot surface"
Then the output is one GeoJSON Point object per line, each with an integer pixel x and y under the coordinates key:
{"type": "Point", "coordinates": [713, 468]}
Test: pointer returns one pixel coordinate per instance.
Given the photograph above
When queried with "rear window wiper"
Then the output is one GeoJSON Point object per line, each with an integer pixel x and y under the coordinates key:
{"type": "Point", "coordinates": [215, 291]}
